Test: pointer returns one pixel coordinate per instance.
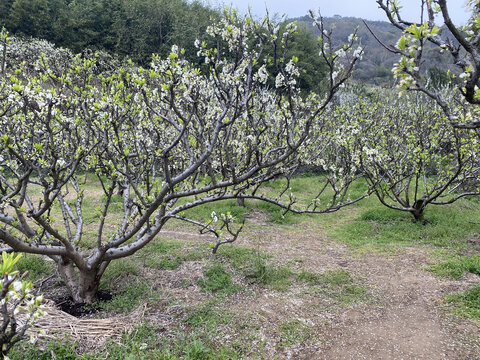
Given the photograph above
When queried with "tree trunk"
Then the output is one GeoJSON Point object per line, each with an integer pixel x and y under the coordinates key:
{"type": "Point", "coordinates": [418, 215]}
{"type": "Point", "coordinates": [241, 202]}
{"type": "Point", "coordinates": [417, 211]}
{"type": "Point", "coordinates": [82, 284]}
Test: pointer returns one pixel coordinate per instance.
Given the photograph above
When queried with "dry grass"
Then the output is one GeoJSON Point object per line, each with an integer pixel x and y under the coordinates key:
{"type": "Point", "coordinates": [91, 333]}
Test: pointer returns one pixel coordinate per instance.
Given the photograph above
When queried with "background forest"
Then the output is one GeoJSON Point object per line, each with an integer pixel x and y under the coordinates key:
{"type": "Point", "coordinates": [139, 28]}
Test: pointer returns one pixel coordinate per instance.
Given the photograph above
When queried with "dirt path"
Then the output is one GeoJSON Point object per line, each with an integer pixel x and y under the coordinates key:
{"type": "Point", "coordinates": [405, 323]}
{"type": "Point", "coordinates": [405, 319]}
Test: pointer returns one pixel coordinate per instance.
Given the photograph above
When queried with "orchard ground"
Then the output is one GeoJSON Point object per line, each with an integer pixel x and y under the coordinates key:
{"type": "Point", "coordinates": [364, 282]}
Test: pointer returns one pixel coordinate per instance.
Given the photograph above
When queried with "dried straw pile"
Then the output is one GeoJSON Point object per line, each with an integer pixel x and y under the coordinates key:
{"type": "Point", "coordinates": [90, 333]}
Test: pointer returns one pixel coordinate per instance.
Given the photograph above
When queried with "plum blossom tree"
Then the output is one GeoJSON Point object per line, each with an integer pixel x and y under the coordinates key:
{"type": "Point", "coordinates": [407, 151]}
{"type": "Point", "coordinates": [461, 42]}
{"type": "Point", "coordinates": [172, 136]}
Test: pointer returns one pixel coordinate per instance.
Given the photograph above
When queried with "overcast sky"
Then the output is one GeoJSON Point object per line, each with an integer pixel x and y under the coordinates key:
{"type": "Point", "coordinates": [367, 9]}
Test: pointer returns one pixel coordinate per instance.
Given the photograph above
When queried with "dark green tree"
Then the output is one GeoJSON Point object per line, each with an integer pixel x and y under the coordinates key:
{"type": "Point", "coordinates": [5, 6]}
{"type": "Point", "coordinates": [20, 17]}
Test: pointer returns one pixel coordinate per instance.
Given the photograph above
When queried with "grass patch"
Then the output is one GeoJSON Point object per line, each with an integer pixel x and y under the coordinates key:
{"type": "Point", "coordinates": [454, 268]}
{"type": "Point", "coordinates": [294, 332]}
{"type": "Point", "coordinates": [384, 215]}
{"type": "Point", "coordinates": [35, 266]}
{"type": "Point", "coordinates": [207, 315]}
{"type": "Point", "coordinates": [144, 342]}
{"type": "Point", "coordinates": [257, 267]}
{"type": "Point", "coordinates": [204, 212]}
{"type": "Point", "coordinates": [466, 304]}
{"type": "Point", "coordinates": [449, 226]}
{"type": "Point", "coordinates": [118, 269]}
{"type": "Point", "coordinates": [60, 349]}
{"type": "Point", "coordinates": [218, 280]}
{"type": "Point", "coordinates": [170, 254]}
{"type": "Point", "coordinates": [275, 213]}
{"type": "Point", "coordinates": [263, 271]}
{"type": "Point", "coordinates": [129, 297]}
{"type": "Point", "coordinates": [339, 285]}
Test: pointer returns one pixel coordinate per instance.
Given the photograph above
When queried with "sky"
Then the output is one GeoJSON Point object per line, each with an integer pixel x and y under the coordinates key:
{"type": "Point", "coordinates": [367, 9]}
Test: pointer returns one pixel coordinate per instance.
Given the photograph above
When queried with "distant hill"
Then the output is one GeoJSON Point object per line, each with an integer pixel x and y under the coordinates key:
{"type": "Point", "coordinates": [377, 62]}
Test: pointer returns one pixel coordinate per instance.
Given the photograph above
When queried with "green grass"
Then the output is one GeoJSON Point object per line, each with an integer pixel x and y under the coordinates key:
{"type": "Point", "coordinates": [34, 266]}
{"type": "Point", "coordinates": [466, 304]}
{"type": "Point", "coordinates": [275, 213]}
{"type": "Point", "coordinates": [454, 268]}
{"type": "Point", "coordinates": [130, 296]}
{"type": "Point", "coordinates": [117, 270]}
{"type": "Point", "coordinates": [217, 279]}
{"type": "Point", "coordinates": [448, 227]}
{"type": "Point", "coordinates": [257, 266]}
{"type": "Point", "coordinates": [204, 212]}
{"type": "Point", "coordinates": [145, 342]}
{"type": "Point", "coordinates": [263, 270]}
{"type": "Point", "coordinates": [208, 315]}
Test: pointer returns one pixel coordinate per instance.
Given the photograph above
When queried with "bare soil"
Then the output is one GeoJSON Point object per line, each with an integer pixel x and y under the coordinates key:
{"type": "Point", "coordinates": [66, 304]}
{"type": "Point", "coordinates": [405, 318]}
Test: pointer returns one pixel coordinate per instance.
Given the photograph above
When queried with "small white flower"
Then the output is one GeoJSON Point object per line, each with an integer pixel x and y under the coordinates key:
{"type": "Point", "coordinates": [358, 52]}
{"type": "Point", "coordinates": [214, 216]}
{"type": "Point", "coordinates": [279, 80]}
{"type": "Point", "coordinates": [17, 286]}
{"type": "Point", "coordinates": [340, 53]}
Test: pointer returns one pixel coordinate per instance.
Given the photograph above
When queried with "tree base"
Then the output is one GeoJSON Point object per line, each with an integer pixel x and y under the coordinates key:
{"type": "Point", "coordinates": [66, 304]}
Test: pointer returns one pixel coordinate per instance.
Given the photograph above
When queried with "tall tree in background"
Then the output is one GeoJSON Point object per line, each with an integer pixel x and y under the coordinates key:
{"type": "Point", "coordinates": [20, 17]}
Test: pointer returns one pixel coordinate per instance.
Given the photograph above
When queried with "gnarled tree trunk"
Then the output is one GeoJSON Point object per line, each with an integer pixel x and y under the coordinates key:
{"type": "Point", "coordinates": [82, 283]}
{"type": "Point", "coordinates": [418, 208]}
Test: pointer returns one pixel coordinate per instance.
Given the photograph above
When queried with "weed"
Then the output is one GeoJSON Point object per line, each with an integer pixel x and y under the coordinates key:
{"type": "Point", "coordinates": [337, 277]}
{"type": "Point", "coordinates": [117, 270]}
{"type": "Point", "coordinates": [196, 351]}
{"type": "Point", "coordinates": [239, 257]}
{"type": "Point", "coordinates": [308, 277]}
{"type": "Point", "coordinates": [276, 213]}
{"type": "Point", "coordinates": [263, 271]}
{"type": "Point", "coordinates": [207, 315]}
{"type": "Point", "coordinates": [65, 350]}
{"type": "Point", "coordinates": [170, 254]}
{"type": "Point", "coordinates": [385, 215]}
{"type": "Point", "coordinates": [203, 212]}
